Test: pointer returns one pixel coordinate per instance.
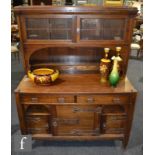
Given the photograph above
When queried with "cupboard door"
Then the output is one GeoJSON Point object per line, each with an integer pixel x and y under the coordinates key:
{"type": "Point", "coordinates": [113, 124]}
{"type": "Point", "coordinates": [49, 28]}
{"type": "Point", "coordinates": [114, 119]}
{"type": "Point", "coordinates": [38, 118]}
{"type": "Point", "coordinates": [37, 124]}
{"type": "Point", "coordinates": [98, 28]}
{"type": "Point", "coordinates": [77, 120]}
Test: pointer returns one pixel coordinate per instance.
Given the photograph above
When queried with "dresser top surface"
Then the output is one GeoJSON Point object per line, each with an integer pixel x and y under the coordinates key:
{"type": "Point", "coordinates": [75, 84]}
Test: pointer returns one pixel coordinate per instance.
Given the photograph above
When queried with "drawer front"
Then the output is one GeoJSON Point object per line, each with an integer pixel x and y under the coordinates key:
{"type": "Point", "coordinates": [37, 121]}
{"type": "Point", "coordinates": [79, 131]}
{"type": "Point", "coordinates": [79, 111]}
{"type": "Point", "coordinates": [103, 99]}
{"type": "Point", "coordinates": [38, 130]}
{"type": "Point", "coordinates": [114, 131]}
{"type": "Point", "coordinates": [33, 98]}
{"type": "Point", "coordinates": [67, 126]}
{"type": "Point", "coordinates": [72, 123]}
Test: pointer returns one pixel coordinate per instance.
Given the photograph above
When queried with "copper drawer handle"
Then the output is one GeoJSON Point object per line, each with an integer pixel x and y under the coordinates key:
{"type": "Point", "coordinates": [35, 120]}
{"type": "Point", "coordinates": [90, 100]}
{"type": "Point", "coordinates": [76, 132]}
{"type": "Point", "coordinates": [94, 110]}
{"type": "Point", "coordinates": [69, 121]}
{"type": "Point", "coordinates": [62, 121]}
{"type": "Point", "coordinates": [116, 129]}
{"type": "Point", "coordinates": [61, 100]}
{"type": "Point", "coordinates": [76, 109]}
{"type": "Point", "coordinates": [116, 100]}
{"type": "Point", "coordinates": [37, 129]}
{"type": "Point", "coordinates": [34, 99]}
{"type": "Point", "coordinates": [119, 118]}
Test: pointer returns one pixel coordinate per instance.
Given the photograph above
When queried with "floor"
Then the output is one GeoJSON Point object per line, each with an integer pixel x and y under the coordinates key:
{"type": "Point", "coordinates": [135, 147]}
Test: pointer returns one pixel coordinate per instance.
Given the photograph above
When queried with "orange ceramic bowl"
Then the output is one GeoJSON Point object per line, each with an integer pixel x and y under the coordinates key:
{"type": "Point", "coordinates": [43, 76]}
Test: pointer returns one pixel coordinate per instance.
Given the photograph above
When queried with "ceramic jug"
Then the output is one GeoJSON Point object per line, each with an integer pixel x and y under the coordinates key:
{"type": "Point", "coordinates": [114, 75]}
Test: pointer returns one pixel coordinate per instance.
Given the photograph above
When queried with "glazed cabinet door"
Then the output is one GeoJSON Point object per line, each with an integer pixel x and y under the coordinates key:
{"type": "Point", "coordinates": [49, 28]}
{"type": "Point", "coordinates": [100, 28]}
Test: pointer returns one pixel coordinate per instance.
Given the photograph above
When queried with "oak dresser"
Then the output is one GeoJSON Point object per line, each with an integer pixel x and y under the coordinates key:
{"type": "Point", "coordinates": [76, 106]}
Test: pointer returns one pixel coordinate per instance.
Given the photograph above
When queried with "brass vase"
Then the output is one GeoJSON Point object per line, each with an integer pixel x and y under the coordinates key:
{"type": "Point", "coordinates": [120, 60]}
{"type": "Point", "coordinates": [105, 67]}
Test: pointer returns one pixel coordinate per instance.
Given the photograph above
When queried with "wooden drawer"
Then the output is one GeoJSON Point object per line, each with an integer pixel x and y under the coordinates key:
{"type": "Point", "coordinates": [65, 126]}
{"type": "Point", "coordinates": [80, 111]}
{"type": "Point", "coordinates": [103, 99]}
{"type": "Point", "coordinates": [79, 131]}
{"type": "Point", "coordinates": [72, 123]}
{"type": "Point", "coordinates": [40, 98]}
{"type": "Point", "coordinates": [38, 130]}
{"type": "Point", "coordinates": [37, 121]}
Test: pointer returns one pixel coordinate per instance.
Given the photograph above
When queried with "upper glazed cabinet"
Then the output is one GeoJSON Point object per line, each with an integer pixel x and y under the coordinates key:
{"type": "Point", "coordinates": [98, 28]}
{"type": "Point", "coordinates": [63, 27]}
{"type": "Point", "coordinates": [49, 28]}
{"type": "Point", "coordinates": [76, 24]}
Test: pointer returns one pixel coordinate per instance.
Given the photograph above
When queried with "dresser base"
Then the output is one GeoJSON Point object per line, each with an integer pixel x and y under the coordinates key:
{"type": "Point", "coordinates": [73, 111]}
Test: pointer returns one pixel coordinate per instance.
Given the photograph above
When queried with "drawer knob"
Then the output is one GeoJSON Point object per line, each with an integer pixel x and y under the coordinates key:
{"type": "Point", "coordinates": [90, 99]}
{"type": "Point", "coordinates": [104, 125]}
{"type": "Point", "coordinates": [34, 99]}
{"type": "Point", "coordinates": [78, 30]}
{"type": "Point", "coordinates": [54, 123]}
{"type": "Point", "coordinates": [116, 100]}
{"type": "Point", "coordinates": [34, 119]}
{"type": "Point", "coordinates": [61, 100]}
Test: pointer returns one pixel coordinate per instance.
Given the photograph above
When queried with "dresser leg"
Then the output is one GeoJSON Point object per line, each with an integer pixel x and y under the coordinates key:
{"type": "Point", "coordinates": [130, 119]}
{"type": "Point", "coordinates": [125, 143]}
{"type": "Point", "coordinates": [21, 115]}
